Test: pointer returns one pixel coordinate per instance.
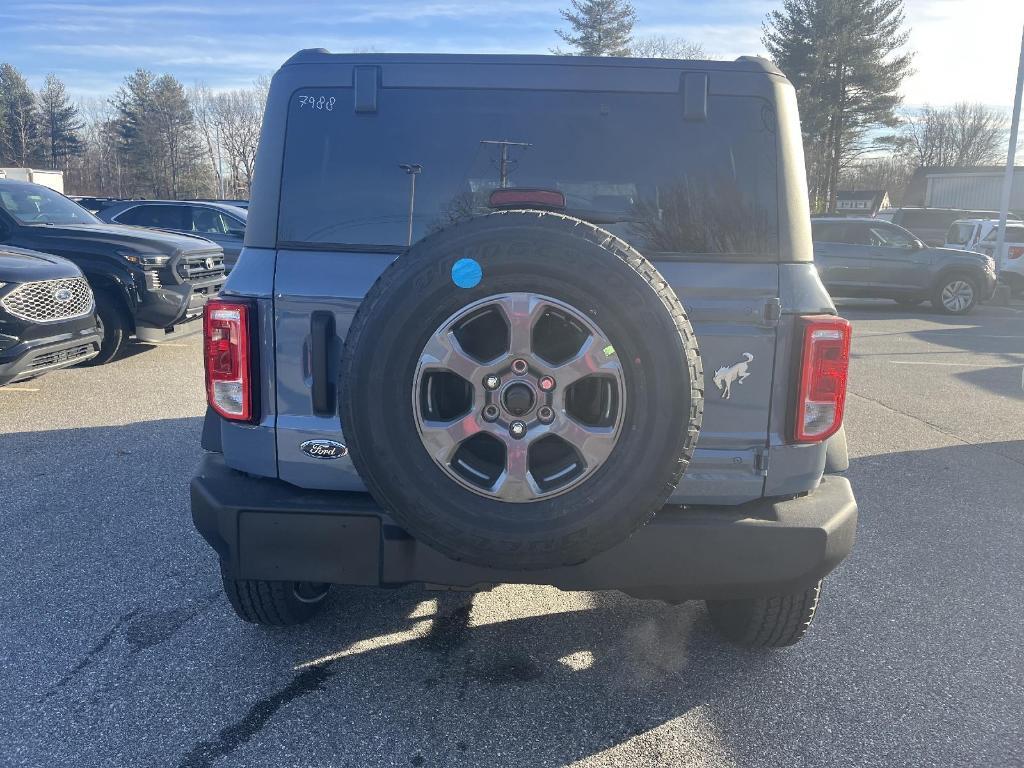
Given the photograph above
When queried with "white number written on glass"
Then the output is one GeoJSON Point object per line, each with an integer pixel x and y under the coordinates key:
{"type": "Point", "coordinates": [318, 103]}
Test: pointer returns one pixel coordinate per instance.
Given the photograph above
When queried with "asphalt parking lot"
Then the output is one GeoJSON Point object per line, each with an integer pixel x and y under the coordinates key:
{"type": "Point", "coordinates": [117, 647]}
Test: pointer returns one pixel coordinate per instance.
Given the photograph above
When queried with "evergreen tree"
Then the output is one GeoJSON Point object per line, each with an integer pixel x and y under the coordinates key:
{"type": "Point", "coordinates": [19, 140]}
{"type": "Point", "coordinates": [599, 27]}
{"type": "Point", "coordinates": [60, 125]}
{"type": "Point", "coordinates": [171, 129]}
{"type": "Point", "coordinates": [844, 58]}
{"type": "Point", "coordinates": [132, 103]}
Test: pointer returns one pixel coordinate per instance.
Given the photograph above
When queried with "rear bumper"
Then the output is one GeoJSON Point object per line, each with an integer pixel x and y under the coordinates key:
{"type": "Point", "coordinates": [268, 529]}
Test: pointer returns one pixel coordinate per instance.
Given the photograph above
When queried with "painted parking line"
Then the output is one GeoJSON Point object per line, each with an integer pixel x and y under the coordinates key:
{"type": "Point", "coordinates": [957, 365]}
{"type": "Point", "coordinates": [19, 389]}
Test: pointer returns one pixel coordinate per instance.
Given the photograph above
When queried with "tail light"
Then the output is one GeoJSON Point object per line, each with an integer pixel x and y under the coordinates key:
{"type": "Point", "coordinates": [1015, 251]}
{"type": "Point", "coordinates": [823, 374]}
{"type": "Point", "coordinates": [226, 336]}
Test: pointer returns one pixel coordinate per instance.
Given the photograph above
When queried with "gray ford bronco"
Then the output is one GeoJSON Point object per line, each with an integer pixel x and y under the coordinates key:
{"type": "Point", "coordinates": [528, 319]}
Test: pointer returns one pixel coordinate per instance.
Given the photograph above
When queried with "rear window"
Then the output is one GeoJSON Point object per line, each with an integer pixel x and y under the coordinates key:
{"type": "Point", "coordinates": [628, 161]}
{"type": "Point", "coordinates": [1013, 235]}
{"type": "Point", "coordinates": [830, 232]}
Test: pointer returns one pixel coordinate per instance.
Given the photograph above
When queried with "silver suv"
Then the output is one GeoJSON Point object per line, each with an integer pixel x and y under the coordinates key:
{"type": "Point", "coordinates": [528, 319]}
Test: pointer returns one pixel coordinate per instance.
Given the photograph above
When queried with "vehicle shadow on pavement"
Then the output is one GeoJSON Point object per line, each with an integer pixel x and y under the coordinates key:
{"type": "Point", "coordinates": [458, 679]}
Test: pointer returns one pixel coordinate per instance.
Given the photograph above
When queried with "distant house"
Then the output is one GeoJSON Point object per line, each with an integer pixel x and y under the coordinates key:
{"type": "Point", "coordinates": [864, 203]}
{"type": "Point", "coordinates": [966, 187]}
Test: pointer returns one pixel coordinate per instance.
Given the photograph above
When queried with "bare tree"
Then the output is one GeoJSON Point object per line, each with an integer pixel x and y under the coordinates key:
{"type": "Point", "coordinates": [889, 172]}
{"type": "Point", "coordinates": [964, 134]}
{"type": "Point", "coordinates": [229, 125]}
{"type": "Point", "coordinates": [665, 47]}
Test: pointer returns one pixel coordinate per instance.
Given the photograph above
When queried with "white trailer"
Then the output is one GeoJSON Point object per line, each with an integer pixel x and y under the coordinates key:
{"type": "Point", "coordinates": [51, 179]}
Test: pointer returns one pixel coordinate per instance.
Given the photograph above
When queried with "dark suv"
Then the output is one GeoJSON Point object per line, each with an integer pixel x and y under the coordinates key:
{"type": "Point", "coordinates": [47, 315]}
{"type": "Point", "coordinates": [869, 258]}
{"type": "Point", "coordinates": [530, 319]}
{"type": "Point", "coordinates": [221, 223]}
{"type": "Point", "coordinates": [146, 283]}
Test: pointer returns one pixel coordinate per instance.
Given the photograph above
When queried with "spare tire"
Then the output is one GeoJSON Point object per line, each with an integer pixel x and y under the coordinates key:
{"type": "Point", "coordinates": [521, 390]}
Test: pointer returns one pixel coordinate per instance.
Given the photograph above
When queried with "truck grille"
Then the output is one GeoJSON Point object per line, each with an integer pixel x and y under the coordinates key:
{"type": "Point", "coordinates": [201, 265]}
{"type": "Point", "coordinates": [49, 301]}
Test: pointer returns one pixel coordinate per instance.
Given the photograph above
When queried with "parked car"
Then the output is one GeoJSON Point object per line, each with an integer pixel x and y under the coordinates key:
{"type": "Point", "coordinates": [967, 234]}
{"type": "Point", "coordinates": [868, 258]}
{"type": "Point", "coordinates": [221, 223]}
{"type": "Point", "coordinates": [150, 284]}
{"type": "Point", "coordinates": [47, 315]}
{"type": "Point", "coordinates": [931, 224]}
{"type": "Point", "coordinates": [1009, 262]}
{"type": "Point", "coordinates": [521, 389]}
{"type": "Point", "coordinates": [237, 203]}
{"type": "Point", "coordinates": [94, 204]}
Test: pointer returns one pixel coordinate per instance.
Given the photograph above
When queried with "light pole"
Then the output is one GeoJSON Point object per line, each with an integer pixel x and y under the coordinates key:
{"type": "Point", "coordinates": [413, 170]}
{"type": "Point", "coordinates": [1004, 205]}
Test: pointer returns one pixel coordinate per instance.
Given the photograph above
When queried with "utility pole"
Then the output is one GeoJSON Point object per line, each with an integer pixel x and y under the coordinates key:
{"type": "Point", "coordinates": [1004, 205]}
{"type": "Point", "coordinates": [414, 170]}
{"type": "Point", "coordinates": [220, 166]}
{"type": "Point", "coordinates": [506, 163]}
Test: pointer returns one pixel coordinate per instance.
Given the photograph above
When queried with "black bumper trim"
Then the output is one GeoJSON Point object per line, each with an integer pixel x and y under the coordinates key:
{"type": "Point", "coordinates": [268, 529]}
{"type": "Point", "coordinates": [41, 355]}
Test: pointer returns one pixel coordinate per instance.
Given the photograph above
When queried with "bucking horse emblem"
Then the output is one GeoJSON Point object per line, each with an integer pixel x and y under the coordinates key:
{"type": "Point", "coordinates": [728, 375]}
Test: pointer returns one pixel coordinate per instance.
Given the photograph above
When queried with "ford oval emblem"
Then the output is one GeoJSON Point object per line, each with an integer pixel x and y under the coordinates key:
{"type": "Point", "coordinates": [62, 295]}
{"type": "Point", "coordinates": [324, 449]}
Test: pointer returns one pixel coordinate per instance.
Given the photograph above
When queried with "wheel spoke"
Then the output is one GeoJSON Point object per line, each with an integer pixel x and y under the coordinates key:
{"type": "Point", "coordinates": [593, 443]}
{"type": "Point", "coordinates": [595, 356]}
{"type": "Point", "coordinates": [516, 483]}
{"type": "Point", "coordinates": [442, 438]}
{"type": "Point", "coordinates": [444, 351]}
{"type": "Point", "coordinates": [522, 311]}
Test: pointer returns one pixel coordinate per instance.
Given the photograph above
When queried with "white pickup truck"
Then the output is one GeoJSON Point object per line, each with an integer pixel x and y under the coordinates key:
{"type": "Point", "coordinates": [980, 235]}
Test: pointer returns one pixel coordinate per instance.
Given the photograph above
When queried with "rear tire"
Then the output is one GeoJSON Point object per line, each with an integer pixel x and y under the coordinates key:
{"type": "Point", "coordinates": [766, 622]}
{"type": "Point", "coordinates": [115, 326]}
{"type": "Point", "coordinates": [274, 603]}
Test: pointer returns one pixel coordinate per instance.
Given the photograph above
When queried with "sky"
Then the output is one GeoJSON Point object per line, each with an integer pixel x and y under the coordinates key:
{"type": "Point", "coordinates": [964, 50]}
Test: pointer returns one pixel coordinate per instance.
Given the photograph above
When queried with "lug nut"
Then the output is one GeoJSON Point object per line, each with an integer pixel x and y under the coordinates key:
{"type": "Point", "coordinates": [545, 414]}
{"type": "Point", "coordinates": [546, 383]}
{"type": "Point", "coordinates": [490, 412]}
{"type": "Point", "coordinates": [519, 367]}
{"type": "Point", "coordinates": [492, 381]}
{"type": "Point", "coordinates": [517, 429]}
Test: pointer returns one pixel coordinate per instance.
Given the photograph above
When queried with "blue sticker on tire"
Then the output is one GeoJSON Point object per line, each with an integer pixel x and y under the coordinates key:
{"type": "Point", "coordinates": [467, 273]}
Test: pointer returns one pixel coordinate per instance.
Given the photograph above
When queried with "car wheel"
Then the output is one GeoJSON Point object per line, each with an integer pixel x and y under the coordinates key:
{"type": "Point", "coordinates": [502, 404]}
{"type": "Point", "coordinates": [115, 327]}
{"type": "Point", "coordinates": [766, 622]}
{"type": "Point", "coordinates": [274, 603]}
{"type": "Point", "coordinates": [956, 295]}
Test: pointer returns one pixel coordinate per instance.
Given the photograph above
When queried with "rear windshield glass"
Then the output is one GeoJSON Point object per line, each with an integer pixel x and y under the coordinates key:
{"type": "Point", "coordinates": [1013, 235]}
{"type": "Point", "coordinates": [628, 161]}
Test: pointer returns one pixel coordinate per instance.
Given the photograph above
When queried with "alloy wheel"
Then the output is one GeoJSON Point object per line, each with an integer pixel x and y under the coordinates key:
{"type": "Point", "coordinates": [519, 397]}
{"type": "Point", "coordinates": [957, 295]}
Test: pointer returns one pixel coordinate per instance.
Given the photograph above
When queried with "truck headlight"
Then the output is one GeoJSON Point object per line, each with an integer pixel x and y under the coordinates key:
{"type": "Point", "coordinates": [144, 260]}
